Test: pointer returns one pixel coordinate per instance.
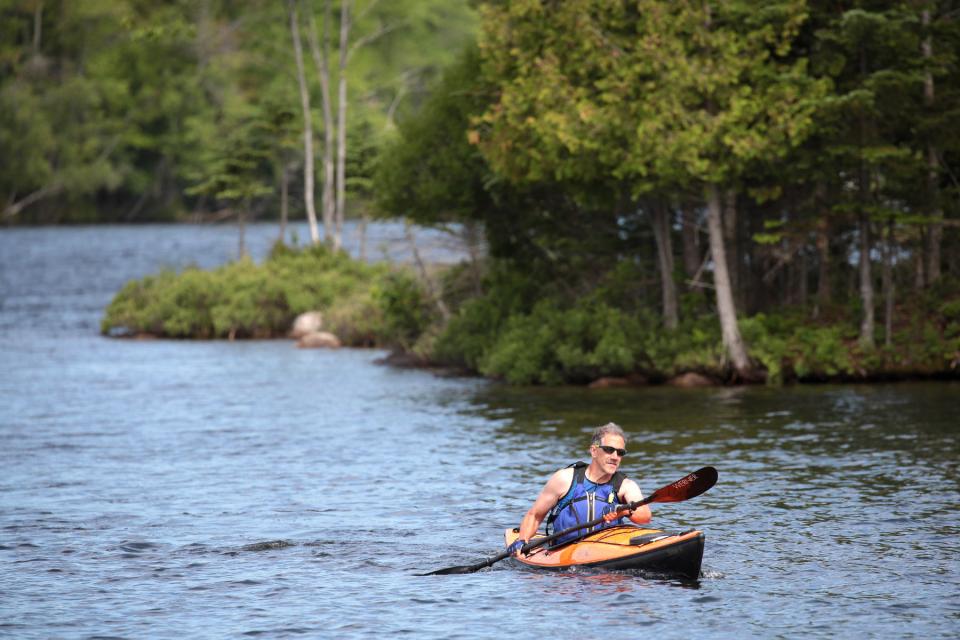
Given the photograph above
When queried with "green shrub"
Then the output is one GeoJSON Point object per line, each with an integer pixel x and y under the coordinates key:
{"type": "Point", "coordinates": [551, 345]}
{"type": "Point", "coordinates": [246, 300]}
{"type": "Point", "coordinates": [950, 311]}
{"type": "Point", "coordinates": [694, 346]}
{"type": "Point", "coordinates": [253, 303]}
{"type": "Point", "coordinates": [192, 297]}
{"type": "Point", "coordinates": [406, 309]}
{"type": "Point", "coordinates": [523, 353]}
{"type": "Point", "coordinates": [477, 323]}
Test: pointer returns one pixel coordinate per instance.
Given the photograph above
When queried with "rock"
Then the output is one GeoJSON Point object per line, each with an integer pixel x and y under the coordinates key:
{"type": "Point", "coordinates": [309, 322]}
{"type": "Point", "coordinates": [608, 383]}
{"type": "Point", "coordinates": [266, 546]}
{"type": "Point", "coordinates": [319, 340]}
{"type": "Point", "coordinates": [403, 360]}
{"type": "Point", "coordinates": [690, 380]}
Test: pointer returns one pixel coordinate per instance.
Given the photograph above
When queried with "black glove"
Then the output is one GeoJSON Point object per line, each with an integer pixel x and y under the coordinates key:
{"type": "Point", "coordinates": [516, 546]}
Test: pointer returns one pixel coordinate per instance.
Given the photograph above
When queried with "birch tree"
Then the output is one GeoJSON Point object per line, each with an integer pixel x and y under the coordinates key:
{"type": "Point", "coordinates": [308, 171]}
{"type": "Point", "coordinates": [321, 59]}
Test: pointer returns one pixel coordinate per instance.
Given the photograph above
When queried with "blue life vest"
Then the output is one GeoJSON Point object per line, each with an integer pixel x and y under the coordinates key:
{"type": "Point", "coordinates": [585, 501]}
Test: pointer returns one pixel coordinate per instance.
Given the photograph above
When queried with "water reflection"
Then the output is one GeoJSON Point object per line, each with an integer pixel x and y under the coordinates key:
{"type": "Point", "coordinates": [850, 425]}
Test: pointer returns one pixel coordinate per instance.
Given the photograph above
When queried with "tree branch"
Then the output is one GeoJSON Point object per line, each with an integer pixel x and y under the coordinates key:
{"type": "Point", "coordinates": [367, 39]}
{"type": "Point", "coordinates": [26, 201]}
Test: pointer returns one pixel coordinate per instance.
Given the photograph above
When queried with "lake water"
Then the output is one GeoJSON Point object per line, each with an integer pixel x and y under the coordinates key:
{"type": "Point", "coordinates": [250, 489]}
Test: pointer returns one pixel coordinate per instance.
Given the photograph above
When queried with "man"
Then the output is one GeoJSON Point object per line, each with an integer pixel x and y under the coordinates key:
{"type": "Point", "coordinates": [580, 493]}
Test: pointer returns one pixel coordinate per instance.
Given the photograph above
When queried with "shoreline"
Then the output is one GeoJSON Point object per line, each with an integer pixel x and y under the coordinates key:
{"type": "Point", "coordinates": [399, 359]}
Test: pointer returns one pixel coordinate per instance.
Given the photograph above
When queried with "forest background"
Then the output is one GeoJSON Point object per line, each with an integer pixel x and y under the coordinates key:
{"type": "Point", "coordinates": [648, 188]}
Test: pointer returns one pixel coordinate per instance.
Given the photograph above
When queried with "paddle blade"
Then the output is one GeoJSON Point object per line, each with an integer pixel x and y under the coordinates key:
{"type": "Point", "coordinates": [470, 568]}
{"type": "Point", "coordinates": [689, 486]}
{"type": "Point", "coordinates": [449, 571]}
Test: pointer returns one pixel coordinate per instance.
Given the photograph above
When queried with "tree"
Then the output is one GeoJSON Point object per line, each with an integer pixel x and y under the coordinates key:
{"type": "Point", "coordinates": [658, 94]}
{"type": "Point", "coordinates": [381, 26]}
{"type": "Point", "coordinates": [60, 127]}
{"type": "Point", "coordinates": [308, 172]}
{"type": "Point", "coordinates": [321, 60]}
{"type": "Point", "coordinates": [105, 104]}
{"type": "Point", "coordinates": [236, 169]}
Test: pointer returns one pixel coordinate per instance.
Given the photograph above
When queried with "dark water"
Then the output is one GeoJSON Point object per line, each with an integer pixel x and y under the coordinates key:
{"type": "Point", "coordinates": [179, 489]}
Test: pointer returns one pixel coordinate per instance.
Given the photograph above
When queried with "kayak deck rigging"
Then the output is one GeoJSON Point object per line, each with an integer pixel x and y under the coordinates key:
{"type": "Point", "coordinates": [621, 548]}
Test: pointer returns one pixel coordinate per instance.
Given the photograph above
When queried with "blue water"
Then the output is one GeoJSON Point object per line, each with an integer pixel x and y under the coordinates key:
{"type": "Point", "coordinates": [213, 489]}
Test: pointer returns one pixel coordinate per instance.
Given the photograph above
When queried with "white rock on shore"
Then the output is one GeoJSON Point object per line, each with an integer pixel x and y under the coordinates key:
{"type": "Point", "coordinates": [319, 340]}
{"type": "Point", "coordinates": [306, 323]}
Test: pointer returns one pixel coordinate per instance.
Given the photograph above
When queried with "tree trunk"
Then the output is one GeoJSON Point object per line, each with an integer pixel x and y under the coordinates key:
{"type": "Point", "coordinates": [284, 200]}
{"type": "Point", "coordinates": [802, 292]}
{"type": "Point", "coordinates": [691, 244]}
{"type": "Point", "coordinates": [424, 274]}
{"type": "Point", "coordinates": [660, 220]}
{"type": "Point", "coordinates": [935, 231]}
{"type": "Point", "coordinates": [919, 282]}
{"type": "Point", "coordinates": [242, 231]}
{"type": "Point", "coordinates": [472, 238]}
{"type": "Point", "coordinates": [342, 122]}
{"type": "Point", "coordinates": [307, 125]}
{"type": "Point", "coordinates": [824, 293]}
{"type": "Point", "coordinates": [721, 280]}
{"type": "Point", "coordinates": [321, 60]}
{"type": "Point", "coordinates": [730, 243]}
{"type": "Point", "coordinates": [888, 287]}
{"type": "Point", "coordinates": [866, 282]}
{"type": "Point", "coordinates": [37, 26]}
{"type": "Point", "coordinates": [362, 232]}
{"type": "Point", "coordinates": [866, 278]}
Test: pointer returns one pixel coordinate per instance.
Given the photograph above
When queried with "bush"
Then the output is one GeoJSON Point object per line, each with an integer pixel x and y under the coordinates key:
{"type": "Point", "coordinates": [477, 323]}
{"type": "Point", "coordinates": [407, 311]}
{"type": "Point", "coordinates": [246, 300]}
{"type": "Point", "coordinates": [550, 344]}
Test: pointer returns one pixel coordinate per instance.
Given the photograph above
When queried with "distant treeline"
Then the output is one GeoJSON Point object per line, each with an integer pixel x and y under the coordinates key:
{"type": "Point", "coordinates": [131, 111]}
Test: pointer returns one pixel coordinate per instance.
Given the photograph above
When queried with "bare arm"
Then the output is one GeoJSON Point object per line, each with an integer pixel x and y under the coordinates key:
{"type": "Point", "coordinates": [556, 487]}
{"type": "Point", "coordinates": [630, 492]}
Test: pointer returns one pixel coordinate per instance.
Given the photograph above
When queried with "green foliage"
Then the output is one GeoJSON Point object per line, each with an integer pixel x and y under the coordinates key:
{"type": "Point", "coordinates": [589, 90]}
{"type": "Point", "coordinates": [694, 346]}
{"type": "Point", "coordinates": [468, 336]}
{"type": "Point", "coordinates": [245, 300]}
{"type": "Point", "coordinates": [552, 344]}
{"type": "Point", "coordinates": [407, 311]}
{"type": "Point", "coordinates": [430, 172]}
{"type": "Point", "coordinates": [788, 348]}
{"type": "Point", "coordinates": [525, 335]}
{"type": "Point", "coordinates": [122, 106]}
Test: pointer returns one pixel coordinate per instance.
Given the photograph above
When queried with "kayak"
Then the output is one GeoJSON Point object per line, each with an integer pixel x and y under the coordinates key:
{"type": "Point", "coordinates": [620, 548]}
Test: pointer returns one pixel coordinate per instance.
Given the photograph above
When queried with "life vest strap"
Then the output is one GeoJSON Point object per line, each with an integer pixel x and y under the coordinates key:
{"type": "Point", "coordinates": [579, 477]}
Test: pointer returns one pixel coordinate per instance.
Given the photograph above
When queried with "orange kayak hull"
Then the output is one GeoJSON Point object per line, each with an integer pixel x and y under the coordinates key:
{"type": "Point", "coordinates": [622, 548]}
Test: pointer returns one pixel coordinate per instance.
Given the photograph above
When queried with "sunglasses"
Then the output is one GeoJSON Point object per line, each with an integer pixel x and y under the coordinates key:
{"type": "Point", "coordinates": [608, 449]}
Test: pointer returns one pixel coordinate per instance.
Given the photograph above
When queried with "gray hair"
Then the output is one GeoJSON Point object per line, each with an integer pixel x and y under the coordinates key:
{"type": "Point", "coordinates": [611, 428]}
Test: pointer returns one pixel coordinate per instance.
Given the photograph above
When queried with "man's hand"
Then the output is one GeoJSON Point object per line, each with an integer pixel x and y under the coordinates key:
{"type": "Point", "coordinates": [616, 515]}
{"type": "Point", "coordinates": [514, 548]}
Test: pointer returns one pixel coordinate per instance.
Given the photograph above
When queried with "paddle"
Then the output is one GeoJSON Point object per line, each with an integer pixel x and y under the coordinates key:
{"type": "Point", "coordinates": [683, 489]}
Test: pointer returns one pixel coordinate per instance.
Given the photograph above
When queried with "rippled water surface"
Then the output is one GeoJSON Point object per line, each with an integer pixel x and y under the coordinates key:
{"type": "Point", "coordinates": [213, 489]}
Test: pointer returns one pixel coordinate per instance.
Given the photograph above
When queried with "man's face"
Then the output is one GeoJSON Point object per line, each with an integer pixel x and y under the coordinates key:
{"type": "Point", "coordinates": [609, 462]}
